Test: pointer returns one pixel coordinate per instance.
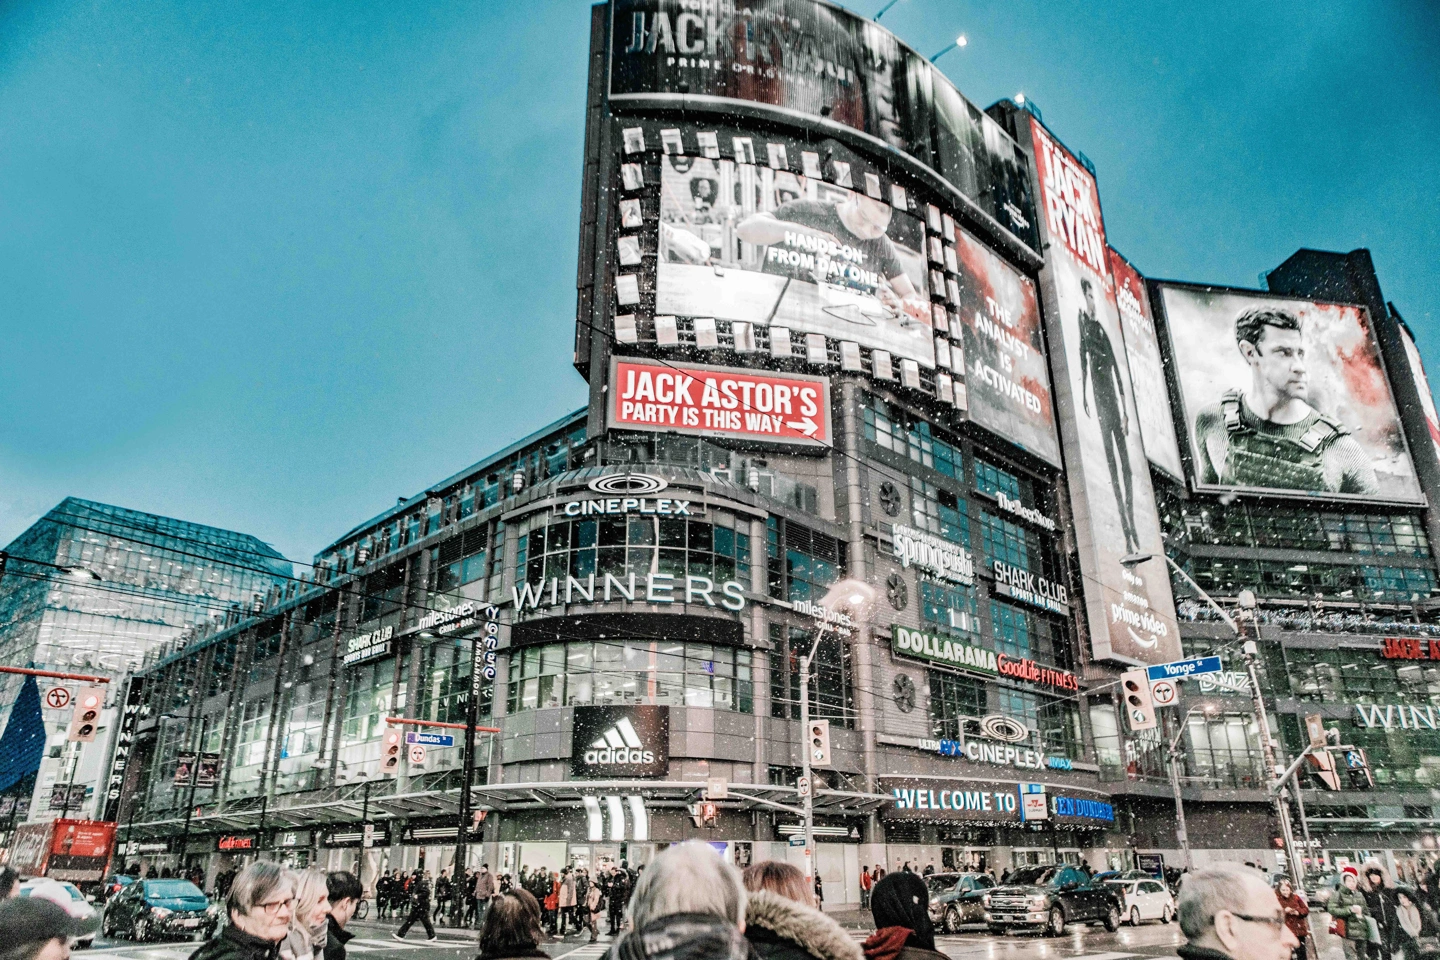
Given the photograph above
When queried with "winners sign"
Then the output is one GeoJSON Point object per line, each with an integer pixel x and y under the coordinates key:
{"type": "Point", "coordinates": [786, 408]}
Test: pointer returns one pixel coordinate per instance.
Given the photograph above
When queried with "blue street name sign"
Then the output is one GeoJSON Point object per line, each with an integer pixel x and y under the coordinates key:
{"type": "Point", "coordinates": [797, 839]}
{"type": "Point", "coordinates": [431, 739]}
{"type": "Point", "coordinates": [1180, 669]}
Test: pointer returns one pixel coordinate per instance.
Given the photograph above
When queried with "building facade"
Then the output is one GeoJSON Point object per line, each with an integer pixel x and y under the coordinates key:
{"type": "Point", "coordinates": [111, 585]}
{"type": "Point", "coordinates": [866, 380]}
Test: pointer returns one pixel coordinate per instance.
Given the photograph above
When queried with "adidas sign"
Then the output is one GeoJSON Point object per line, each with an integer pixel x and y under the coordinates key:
{"type": "Point", "coordinates": [619, 745]}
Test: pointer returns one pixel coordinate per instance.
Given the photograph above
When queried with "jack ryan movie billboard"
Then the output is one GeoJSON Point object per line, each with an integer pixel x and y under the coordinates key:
{"type": "Point", "coordinates": [1285, 395]}
{"type": "Point", "coordinates": [1006, 373]}
{"type": "Point", "coordinates": [1147, 367]}
{"type": "Point", "coordinates": [1130, 612]}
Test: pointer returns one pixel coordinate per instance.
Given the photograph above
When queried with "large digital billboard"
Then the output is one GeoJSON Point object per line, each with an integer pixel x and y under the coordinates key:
{"type": "Point", "coordinates": [1007, 378]}
{"type": "Point", "coordinates": [1129, 608]}
{"type": "Point", "coordinates": [1147, 367]}
{"type": "Point", "coordinates": [1422, 387]}
{"type": "Point", "coordinates": [806, 61]}
{"type": "Point", "coordinates": [770, 247]}
{"type": "Point", "coordinates": [1286, 395]}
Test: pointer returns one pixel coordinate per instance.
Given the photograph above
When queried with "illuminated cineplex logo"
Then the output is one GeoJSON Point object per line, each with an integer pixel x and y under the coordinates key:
{"type": "Point", "coordinates": [997, 801]}
{"type": "Point", "coordinates": [658, 588]}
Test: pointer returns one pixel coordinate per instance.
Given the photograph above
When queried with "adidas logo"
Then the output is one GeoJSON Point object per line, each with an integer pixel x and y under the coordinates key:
{"type": "Point", "coordinates": [620, 744]}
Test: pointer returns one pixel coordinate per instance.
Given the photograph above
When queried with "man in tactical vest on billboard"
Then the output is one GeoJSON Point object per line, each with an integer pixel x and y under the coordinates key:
{"type": "Point", "coordinates": [1268, 435]}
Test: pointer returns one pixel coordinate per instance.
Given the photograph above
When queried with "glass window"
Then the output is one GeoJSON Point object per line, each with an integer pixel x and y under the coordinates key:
{"type": "Point", "coordinates": [831, 681]}
{"type": "Point", "coordinates": [953, 699]}
{"type": "Point", "coordinates": [949, 609]}
{"type": "Point", "coordinates": [630, 671]}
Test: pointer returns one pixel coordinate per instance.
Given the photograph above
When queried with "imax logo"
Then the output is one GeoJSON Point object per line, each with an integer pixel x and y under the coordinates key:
{"type": "Point", "coordinates": [1406, 718]}
{"type": "Point", "coordinates": [619, 745]}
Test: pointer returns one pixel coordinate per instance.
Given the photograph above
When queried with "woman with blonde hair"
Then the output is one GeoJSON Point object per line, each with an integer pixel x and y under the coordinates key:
{"type": "Point", "coordinates": [782, 921]}
{"type": "Point", "coordinates": [308, 926]}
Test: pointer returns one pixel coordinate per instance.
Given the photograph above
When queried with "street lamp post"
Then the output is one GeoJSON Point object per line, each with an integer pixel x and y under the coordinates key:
{"type": "Point", "coordinates": [958, 42]}
{"type": "Point", "coordinates": [855, 596]}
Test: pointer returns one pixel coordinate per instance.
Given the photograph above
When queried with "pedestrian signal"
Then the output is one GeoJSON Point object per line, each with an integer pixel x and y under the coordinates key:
{"type": "Point", "coordinates": [818, 738]}
{"type": "Point", "coordinates": [85, 721]}
{"type": "Point", "coordinates": [390, 751]}
{"type": "Point", "coordinates": [1135, 695]}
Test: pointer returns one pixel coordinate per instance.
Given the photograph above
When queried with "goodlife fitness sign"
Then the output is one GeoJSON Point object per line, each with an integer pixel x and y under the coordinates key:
{"type": "Point", "coordinates": [786, 408]}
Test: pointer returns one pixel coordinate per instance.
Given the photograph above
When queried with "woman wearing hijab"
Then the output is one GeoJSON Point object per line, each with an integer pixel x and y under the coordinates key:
{"type": "Point", "coordinates": [309, 929]}
{"type": "Point", "coordinates": [900, 904]}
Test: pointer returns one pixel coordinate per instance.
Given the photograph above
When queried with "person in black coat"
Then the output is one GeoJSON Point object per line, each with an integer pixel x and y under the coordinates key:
{"type": "Point", "coordinates": [419, 908]}
{"type": "Point", "coordinates": [261, 904]}
{"type": "Point", "coordinates": [345, 894]}
{"type": "Point", "coordinates": [900, 905]}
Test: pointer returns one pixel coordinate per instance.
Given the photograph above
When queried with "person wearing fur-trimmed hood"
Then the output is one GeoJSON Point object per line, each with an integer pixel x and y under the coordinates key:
{"type": "Point", "coordinates": [781, 921]}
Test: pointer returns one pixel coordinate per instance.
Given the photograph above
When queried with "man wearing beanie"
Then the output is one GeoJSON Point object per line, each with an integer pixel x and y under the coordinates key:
{"type": "Point", "coordinates": [33, 928]}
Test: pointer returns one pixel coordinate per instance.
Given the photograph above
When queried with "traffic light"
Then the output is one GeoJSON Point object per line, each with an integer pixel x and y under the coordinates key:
{"type": "Point", "coordinates": [1358, 766]}
{"type": "Point", "coordinates": [818, 743]}
{"type": "Point", "coordinates": [390, 751]}
{"type": "Point", "coordinates": [1135, 692]}
{"type": "Point", "coordinates": [85, 721]}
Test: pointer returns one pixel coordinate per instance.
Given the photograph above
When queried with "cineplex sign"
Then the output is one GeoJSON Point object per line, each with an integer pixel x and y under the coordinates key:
{"type": "Point", "coordinates": [788, 408]}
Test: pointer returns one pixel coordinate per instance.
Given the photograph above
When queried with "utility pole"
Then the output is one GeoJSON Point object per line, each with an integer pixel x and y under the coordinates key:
{"type": "Point", "coordinates": [1181, 834]}
{"type": "Point", "coordinates": [1251, 652]}
{"type": "Point", "coordinates": [806, 781]}
{"type": "Point", "coordinates": [194, 782]}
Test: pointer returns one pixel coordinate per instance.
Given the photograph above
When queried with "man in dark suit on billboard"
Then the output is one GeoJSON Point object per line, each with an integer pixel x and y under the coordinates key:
{"type": "Point", "coordinates": [1269, 435]}
{"type": "Point", "coordinates": [1100, 374]}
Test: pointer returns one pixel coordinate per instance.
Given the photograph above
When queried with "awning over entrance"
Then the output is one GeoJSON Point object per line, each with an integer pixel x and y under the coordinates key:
{"type": "Point", "coordinates": [504, 798]}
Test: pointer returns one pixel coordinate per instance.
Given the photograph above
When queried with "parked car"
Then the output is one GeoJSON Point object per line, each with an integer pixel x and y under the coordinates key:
{"type": "Point", "coordinates": [1143, 900]}
{"type": "Point", "coordinates": [1048, 898]}
{"type": "Point", "coordinates": [955, 899]}
{"type": "Point", "coordinates": [149, 909]}
{"type": "Point", "coordinates": [67, 895]}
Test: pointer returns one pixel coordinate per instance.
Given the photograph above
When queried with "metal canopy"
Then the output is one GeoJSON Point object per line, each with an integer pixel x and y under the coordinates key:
{"type": "Point", "coordinates": [505, 798]}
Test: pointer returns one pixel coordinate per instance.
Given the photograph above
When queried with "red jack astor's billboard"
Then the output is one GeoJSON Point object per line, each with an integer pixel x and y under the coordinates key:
{"type": "Point", "coordinates": [786, 408]}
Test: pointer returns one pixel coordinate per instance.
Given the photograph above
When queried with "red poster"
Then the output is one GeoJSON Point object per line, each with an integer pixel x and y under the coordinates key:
{"type": "Point", "coordinates": [691, 398]}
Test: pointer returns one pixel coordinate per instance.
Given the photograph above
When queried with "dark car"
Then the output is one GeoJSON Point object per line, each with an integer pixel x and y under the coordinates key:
{"type": "Point", "coordinates": [112, 885]}
{"type": "Point", "coordinates": [1048, 898]}
{"type": "Point", "coordinates": [151, 909]}
{"type": "Point", "coordinates": [955, 899]}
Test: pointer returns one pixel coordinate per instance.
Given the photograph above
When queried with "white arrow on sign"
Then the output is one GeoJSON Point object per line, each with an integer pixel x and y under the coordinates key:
{"type": "Point", "coordinates": [805, 426]}
{"type": "Point", "coordinates": [1163, 693]}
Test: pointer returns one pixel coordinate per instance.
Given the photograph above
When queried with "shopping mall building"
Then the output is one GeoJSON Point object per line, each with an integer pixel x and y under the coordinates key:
{"type": "Point", "coordinates": [865, 377]}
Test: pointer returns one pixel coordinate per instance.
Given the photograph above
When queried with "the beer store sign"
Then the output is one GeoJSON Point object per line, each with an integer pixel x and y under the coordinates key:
{"type": "Point", "coordinates": [945, 650]}
{"type": "Point", "coordinates": [368, 646]}
{"type": "Point", "coordinates": [1028, 514]}
{"type": "Point", "coordinates": [933, 555]}
{"type": "Point", "coordinates": [1026, 587]}
{"type": "Point", "coordinates": [651, 588]}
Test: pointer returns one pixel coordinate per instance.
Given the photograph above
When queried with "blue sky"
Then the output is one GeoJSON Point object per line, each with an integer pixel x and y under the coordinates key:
{"type": "Point", "coordinates": [270, 266]}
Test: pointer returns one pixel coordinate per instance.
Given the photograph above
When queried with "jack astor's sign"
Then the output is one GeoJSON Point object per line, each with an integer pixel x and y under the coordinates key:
{"type": "Point", "coordinates": [1031, 672]}
{"type": "Point", "coordinates": [652, 588]}
{"type": "Point", "coordinates": [1022, 585]}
